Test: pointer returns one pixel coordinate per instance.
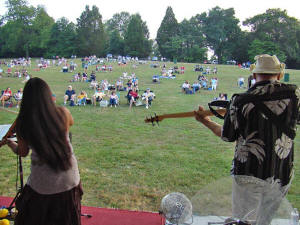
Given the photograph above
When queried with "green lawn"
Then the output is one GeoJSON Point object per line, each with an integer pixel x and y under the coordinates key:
{"type": "Point", "coordinates": [125, 163]}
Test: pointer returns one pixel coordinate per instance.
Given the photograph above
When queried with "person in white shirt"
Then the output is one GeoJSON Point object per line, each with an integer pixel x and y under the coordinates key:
{"type": "Point", "coordinates": [214, 83]}
{"type": "Point", "coordinates": [185, 86]}
{"type": "Point", "coordinates": [148, 96]}
{"type": "Point", "coordinates": [241, 82]}
{"type": "Point", "coordinates": [18, 97]}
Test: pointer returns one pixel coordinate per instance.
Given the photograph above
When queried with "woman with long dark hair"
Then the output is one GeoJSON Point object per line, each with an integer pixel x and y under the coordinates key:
{"type": "Point", "coordinates": [53, 192]}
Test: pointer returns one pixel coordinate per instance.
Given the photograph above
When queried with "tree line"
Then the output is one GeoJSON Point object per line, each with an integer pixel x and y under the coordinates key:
{"type": "Point", "coordinates": [29, 31]}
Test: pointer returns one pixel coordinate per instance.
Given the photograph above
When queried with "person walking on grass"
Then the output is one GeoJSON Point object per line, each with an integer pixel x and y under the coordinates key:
{"type": "Point", "coordinates": [53, 191]}
{"type": "Point", "coordinates": [262, 121]}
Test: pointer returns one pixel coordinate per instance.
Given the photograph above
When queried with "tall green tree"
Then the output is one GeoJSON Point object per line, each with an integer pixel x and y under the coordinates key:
{"type": "Point", "coordinates": [62, 40]}
{"type": "Point", "coordinates": [92, 39]}
{"type": "Point", "coordinates": [258, 47]}
{"type": "Point", "coordinates": [276, 26]}
{"type": "Point", "coordinates": [220, 28]}
{"type": "Point", "coordinates": [41, 29]}
{"type": "Point", "coordinates": [136, 38]}
{"type": "Point", "coordinates": [18, 27]}
{"type": "Point", "coordinates": [119, 22]}
{"type": "Point", "coordinates": [193, 41]}
{"type": "Point", "coordinates": [116, 43]}
{"type": "Point", "coordinates": [167, 31]}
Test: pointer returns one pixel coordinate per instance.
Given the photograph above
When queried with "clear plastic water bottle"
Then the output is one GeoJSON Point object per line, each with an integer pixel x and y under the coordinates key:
{"type": "Point", "coordinates": [295, 217]}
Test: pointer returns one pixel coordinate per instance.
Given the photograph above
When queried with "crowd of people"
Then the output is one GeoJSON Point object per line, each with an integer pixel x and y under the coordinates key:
{"type": "Point", "coordinates": [201, 83]}
{"type": "Point", "coordinates": [108, 94]}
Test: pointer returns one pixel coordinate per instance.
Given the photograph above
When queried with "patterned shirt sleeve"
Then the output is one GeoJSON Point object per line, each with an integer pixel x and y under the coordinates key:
{"type": "Point", "coordinates": [229, 130]}
{"type": "Point", "coordinates": [298, 97]}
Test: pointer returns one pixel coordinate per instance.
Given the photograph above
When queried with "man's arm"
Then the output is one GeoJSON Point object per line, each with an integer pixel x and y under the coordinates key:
{"type": "Point", "coordinates": [206, 121]}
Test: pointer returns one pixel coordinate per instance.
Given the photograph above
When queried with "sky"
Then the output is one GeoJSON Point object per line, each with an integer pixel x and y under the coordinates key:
{"type": "Point", "coordinates": [153, 11]}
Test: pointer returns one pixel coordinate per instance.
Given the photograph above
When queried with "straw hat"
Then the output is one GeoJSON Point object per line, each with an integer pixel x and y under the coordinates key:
{"type": "Point", "coordinates": [266, 64]}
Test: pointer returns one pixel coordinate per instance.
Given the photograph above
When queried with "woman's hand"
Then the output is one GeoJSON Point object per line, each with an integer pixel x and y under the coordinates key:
{"type": "Point", "coordinates": [13, 145]}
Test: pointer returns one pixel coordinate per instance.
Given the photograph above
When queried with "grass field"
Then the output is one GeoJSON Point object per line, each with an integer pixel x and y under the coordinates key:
{"type": "Point", "coordinates": [125, 163]}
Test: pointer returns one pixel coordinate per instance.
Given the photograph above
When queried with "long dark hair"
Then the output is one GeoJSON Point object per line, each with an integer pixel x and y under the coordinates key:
{"type": "Point", "coordinates": [43, 125]}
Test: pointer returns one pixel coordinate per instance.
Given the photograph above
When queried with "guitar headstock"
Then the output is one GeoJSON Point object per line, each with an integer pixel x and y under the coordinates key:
{"type": "Point", "coordinates": [153, 119]}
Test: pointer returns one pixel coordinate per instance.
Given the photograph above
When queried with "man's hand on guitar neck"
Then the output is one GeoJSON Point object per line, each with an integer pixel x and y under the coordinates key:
{"type": "Point", "coordinates": [206, 121]}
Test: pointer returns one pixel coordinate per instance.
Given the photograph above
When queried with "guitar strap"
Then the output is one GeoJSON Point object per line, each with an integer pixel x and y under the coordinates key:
{"type": "Point", "coordinates": [218, 103]}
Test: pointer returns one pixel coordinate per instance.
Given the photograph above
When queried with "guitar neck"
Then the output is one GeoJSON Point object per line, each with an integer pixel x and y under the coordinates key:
{"type": "Point", "coordinates": [191, 114]}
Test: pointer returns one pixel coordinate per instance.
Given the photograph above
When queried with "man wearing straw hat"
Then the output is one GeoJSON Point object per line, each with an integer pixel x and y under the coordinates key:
{"type": "Point", "coordinates": [262, 121]}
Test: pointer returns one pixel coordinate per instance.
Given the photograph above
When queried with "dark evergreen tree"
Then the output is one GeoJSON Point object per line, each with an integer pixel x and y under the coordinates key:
{"type": "Point", "coordinates": [136, 38]}
{"type": "Point", "coordinates": [91, 36]}
{"type": "Point", "coordinates": [62, 39]}
{"type": "Point", "coordinates": [167, 31]}
{"type": "Point", "coordinates": [116, 43]}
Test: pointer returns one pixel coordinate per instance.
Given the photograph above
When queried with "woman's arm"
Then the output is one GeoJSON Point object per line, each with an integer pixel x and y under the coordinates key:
{"type": "Point", "coordinates": [21, 148]}
{"type": "Point", "coordinates": [68, 115]}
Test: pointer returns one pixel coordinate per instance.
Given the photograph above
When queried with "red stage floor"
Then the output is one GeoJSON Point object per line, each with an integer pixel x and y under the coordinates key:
{"type": "Point", "coordinates": [103, 216]}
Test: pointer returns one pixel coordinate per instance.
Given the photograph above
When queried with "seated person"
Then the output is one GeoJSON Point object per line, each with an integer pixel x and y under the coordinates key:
{"type": "Point", "coordinates": [104, 85]}
{"type": "Point", "coordinates": [222, 96]}
{"type": "Point", "coordinates": [215, 70]}
{"type": "Point", "coordinates": [148, 96]}
{"type": "Point", "coordinates": [241, 82]}
{"type": "Point", "coordinates": [135, 81]}
{"type": "Point", "coordinates": [81, 99]}
{"type": "Point", "coordinates": [204, 83]}
{"type": "Point", "coordinates": [208, 70]}
{"type": "Point", "coordinates": [185, 86]}
{"type": "Point", "coordinates": [94, 84]}
{"type": "Point", "coordinates": [129, 85]}
{"type": "Point", "coordinates": [119, 85]}
{"type": "Point", "coordinates": [77, 77]}
{"type": "Point", "coordinates": [5, 96]}
{"type": "Point", "coordinates": [9, 70]}
{"type": "Point", "coordinates": [93, 76]}
{"type": "Point", "coordinates": [155, 78]}
{"type": "Point", "coordinates": [65, 69]}
{"type": "Point", "coordinates": [133, 94]}
{"type": "Point", "coordinates": [182, 69]}
{"type": "Point", "coordinates": [27, 77]}
{"type": "Point", "coordinates": [17, 73]}
{"type": "Point", "coordinates": [84, 77]}
{"type": "Point", "coordinates": [18, 97]}
{"type": "Point", "coordinates": [98, 96]}
{"type": "Point", "coordinates": [196, 86]}
{"type": "Point", "coordinates": [113, 99]}
{"type": "Point", "coordinates": [69, 96]}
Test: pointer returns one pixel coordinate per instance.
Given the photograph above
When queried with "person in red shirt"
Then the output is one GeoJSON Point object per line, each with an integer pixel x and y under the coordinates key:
{"type": "Point", "coordinates": [5, 96]}
{"type": "Point", "coordinates": [134, 96]}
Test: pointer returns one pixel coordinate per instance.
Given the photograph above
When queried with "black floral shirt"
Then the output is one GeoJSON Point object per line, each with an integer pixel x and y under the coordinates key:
{"type": "Point", "coordinates": [263, 121]}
